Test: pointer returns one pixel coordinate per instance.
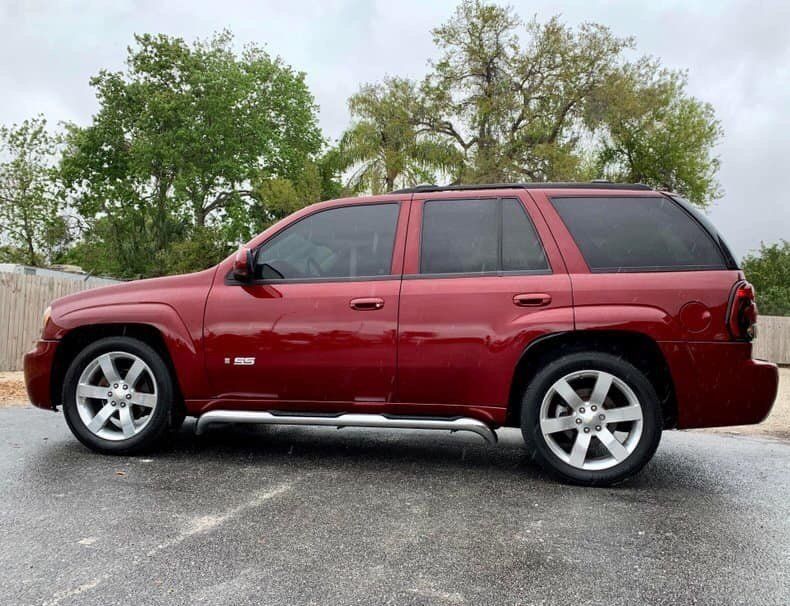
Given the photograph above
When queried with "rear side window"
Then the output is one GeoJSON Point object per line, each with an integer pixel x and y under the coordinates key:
{"type": "Point", "coordinates": [460, 236]}
{"type": "Point", "coordinates": [479, 236]}
{"type": "Point", "coordinates": [345, 242]}
{"type": "Point", "coordinates": [637, 234]}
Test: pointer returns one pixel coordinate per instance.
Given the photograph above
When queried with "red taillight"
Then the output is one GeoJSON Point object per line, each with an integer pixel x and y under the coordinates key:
{"type": "Point", "coordinates": [742, 317]}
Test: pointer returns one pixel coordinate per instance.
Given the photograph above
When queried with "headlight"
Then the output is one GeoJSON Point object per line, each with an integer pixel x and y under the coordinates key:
{"type": "Point", "coordinates": [47, 314]}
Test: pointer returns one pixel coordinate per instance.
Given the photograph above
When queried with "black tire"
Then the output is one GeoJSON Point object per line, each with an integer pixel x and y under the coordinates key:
{"type": "Point", "coordinates": [177, 417]}
{"type": "Point", "coordinates": [162, 417]}
{"type": "Point", "coordinates": [541, 451]}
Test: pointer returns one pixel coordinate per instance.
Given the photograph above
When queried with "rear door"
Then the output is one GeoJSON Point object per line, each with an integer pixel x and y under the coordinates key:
{"type": "Point", "coordinates": [482, 279]}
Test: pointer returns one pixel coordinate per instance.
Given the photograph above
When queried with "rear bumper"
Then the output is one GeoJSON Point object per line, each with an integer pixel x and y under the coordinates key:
{"type": "Point", "coordinates": [718, 384]}
{"type": "Point", "coordinates": [38, 374]}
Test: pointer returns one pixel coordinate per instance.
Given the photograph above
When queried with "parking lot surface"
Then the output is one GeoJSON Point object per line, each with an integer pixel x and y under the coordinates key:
{"type": "Point", "coordinates": [293, 516]}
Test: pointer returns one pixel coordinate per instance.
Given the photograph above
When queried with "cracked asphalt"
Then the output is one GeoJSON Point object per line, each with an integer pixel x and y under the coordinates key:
{"type": "Point", "coordinates": [319, 516]}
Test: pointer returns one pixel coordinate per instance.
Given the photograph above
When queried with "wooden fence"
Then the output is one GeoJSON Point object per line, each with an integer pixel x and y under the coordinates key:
{"type": "Point", "coordinates": [773, 339]}
{"type": "Point", "coordinates": [24, 298]}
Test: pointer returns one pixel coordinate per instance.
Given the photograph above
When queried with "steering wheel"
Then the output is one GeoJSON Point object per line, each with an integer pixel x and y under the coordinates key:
{"type": "Point", "coordinates": [313, 267]}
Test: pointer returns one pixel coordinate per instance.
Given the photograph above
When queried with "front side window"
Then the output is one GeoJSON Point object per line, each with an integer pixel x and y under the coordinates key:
{"type": "Point", "coordinates": [346, 242]}
{"type": "Point", "coordinates": [479, 236]}
{"type": "Point", "coordinates": [637, 234]}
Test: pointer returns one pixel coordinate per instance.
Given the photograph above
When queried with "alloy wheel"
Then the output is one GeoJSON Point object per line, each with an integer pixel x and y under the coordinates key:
{"type": "Point", "coordinates": [116, 395]}
{"type": "Point", "coordinates": [591, 420]}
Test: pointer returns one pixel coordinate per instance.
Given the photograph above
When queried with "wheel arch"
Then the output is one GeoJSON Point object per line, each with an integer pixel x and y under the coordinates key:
{"type": "Point", "coordinates": [637, 348]}
{"type": "Point", "coordinates": [80, 337]}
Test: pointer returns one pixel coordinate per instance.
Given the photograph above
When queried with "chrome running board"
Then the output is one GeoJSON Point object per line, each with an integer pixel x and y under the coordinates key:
{"type": "Point", "coordinates": [346, 420]}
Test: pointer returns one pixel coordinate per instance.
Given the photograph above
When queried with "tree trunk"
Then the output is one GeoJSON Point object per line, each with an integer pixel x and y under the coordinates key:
{"type": "Point", "coordinates": [31, 254]}
{"type": "Point", "coordinates": [27, 234]}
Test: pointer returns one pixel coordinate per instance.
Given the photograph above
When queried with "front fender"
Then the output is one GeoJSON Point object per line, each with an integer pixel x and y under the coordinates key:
{"type": "Point", "coordinates": [184, 348]}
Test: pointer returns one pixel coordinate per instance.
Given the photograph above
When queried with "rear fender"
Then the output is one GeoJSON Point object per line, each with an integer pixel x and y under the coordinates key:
{"type": "Point", "coordinates": [653, 322]}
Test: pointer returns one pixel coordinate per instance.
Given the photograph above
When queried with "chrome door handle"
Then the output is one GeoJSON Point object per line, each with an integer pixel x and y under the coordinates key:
{"type": "Point", "coordinates": [366, 303]}
{"type": "Point", "coordinates": [532, 299]}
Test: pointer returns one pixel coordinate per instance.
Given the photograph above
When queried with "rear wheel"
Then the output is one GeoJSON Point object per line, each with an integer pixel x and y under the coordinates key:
{"type": "Point", "coordinates": [118, 396]}
{"type": "Point", "coordinates": [591, 418]}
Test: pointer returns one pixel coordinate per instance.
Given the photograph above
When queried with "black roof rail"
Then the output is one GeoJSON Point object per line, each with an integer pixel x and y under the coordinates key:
{"type": "Point", "coordinates": [546, 185]}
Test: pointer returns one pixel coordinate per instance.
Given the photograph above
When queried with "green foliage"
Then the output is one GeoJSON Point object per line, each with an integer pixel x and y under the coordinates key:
{"type": "Point", "coordinates": [509, 100]}
{"type": "Point", "coordinates": [652, 133]}
{"type": "Point", "coordinates": [178, 143]}
{"type": "Point", "coordinates": [384, 147]}
{"type": "Point", "coordinates": [515, 110]}
{"type": "Point", "coordinates": [130, 241]}
{"type": "Point", "coordinates": [769, 272]}
{"type": "Point", "coordinates": [32, 228]}
{"type": "Point", "coordinates": [197, 146]}
{"type": "Point", "coordinates": [330, 167]}
{"type": "Point", "coordinates": [204, 248]}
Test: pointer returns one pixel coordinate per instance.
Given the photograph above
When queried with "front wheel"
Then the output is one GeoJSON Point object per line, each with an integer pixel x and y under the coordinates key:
{"type": "Point", "coordinates": [118, 395]}
{"type": "Point", "coordinates": [591, 418]}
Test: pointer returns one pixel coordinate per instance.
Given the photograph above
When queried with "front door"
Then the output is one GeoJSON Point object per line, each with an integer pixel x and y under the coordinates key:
{"type": "Point", "coordinates": [316, 328]}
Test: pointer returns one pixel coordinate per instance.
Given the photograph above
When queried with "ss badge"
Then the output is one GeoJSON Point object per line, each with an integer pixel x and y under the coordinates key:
{"type": "Point", "coordinates": [241, 361]}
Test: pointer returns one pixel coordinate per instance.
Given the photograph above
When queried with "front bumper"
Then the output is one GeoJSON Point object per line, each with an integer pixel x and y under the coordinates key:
{"type": "Point", "coordinates": [38, 374]}
{"type": "Point", "coordinates": [719, 384]}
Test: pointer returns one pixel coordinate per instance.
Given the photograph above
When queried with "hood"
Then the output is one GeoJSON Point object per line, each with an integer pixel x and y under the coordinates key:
{"type": "Point", "coordinates": [174, 291]}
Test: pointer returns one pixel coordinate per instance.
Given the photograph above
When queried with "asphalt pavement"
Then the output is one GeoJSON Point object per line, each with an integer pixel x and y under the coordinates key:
{"type": "Point", "coordinates": [291, 516]}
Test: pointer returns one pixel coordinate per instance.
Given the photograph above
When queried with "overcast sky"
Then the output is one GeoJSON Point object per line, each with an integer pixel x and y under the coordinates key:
{"type": "Point", "coordinates": [737, 54]}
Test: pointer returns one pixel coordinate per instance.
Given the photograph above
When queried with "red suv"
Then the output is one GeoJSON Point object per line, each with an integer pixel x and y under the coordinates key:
{"type": "Point", "coordinates": [592, 316]}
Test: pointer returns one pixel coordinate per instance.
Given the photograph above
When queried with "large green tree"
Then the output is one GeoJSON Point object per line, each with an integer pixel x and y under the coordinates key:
{"type": "Point", "coordinates": [769, 271]}
{"type": "Point", "coordinates": [181, 140]}
{"type": "Point", "coordinates": [511, 94]}
{"type": "Point", "coordinates": [385, 147]}
{"type": "Point", "coordinates": [650, 131]}
{"type": "Point", "coordinates": [544, 101]}
{"type": "Point", "coordinates": [32, 227]}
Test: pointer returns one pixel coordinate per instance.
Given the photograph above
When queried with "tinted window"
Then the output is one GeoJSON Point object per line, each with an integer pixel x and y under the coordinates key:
{"type": "Point", "coordinates": [347, 242]}
{"type": "Point", "coordinates": [637, 234]}
{"type": "Point", "coordinates": [711, 229]}
{"type": "Point", "coordinates": [521, 248]}
{"type": "Point", "coordinates": [479, 236]}
{"type": "Point", "coordinates": [460, 236]}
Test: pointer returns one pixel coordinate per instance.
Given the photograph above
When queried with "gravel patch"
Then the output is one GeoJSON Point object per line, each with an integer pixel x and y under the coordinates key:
{"type": "Point", "coordinates": [12, 389]}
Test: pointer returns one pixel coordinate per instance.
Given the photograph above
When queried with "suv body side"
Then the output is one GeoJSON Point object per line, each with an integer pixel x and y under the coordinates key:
{"type": "Point", "coordinates": [456, 338]}
{"type": "Point", "coordinates": [440, 345]}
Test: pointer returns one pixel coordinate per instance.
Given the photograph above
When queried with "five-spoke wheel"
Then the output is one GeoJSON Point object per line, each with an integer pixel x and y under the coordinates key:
{"type": "Point", "coordinates": [591, 418]}
{"type": "Point", "coordinates": [117, 395]}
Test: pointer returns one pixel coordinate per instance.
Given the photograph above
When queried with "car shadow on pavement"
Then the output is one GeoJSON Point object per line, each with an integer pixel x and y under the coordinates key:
{"type": "Point", "coordinates": [360, 451]}
{"type": "Point", "coordinates": [366, 449]}
{"type": "Point", "coordinates": [361, 448]}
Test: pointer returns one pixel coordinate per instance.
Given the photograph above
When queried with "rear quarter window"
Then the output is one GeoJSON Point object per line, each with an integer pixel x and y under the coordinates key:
{"type": "Point", "coordinates": [645, 233]}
